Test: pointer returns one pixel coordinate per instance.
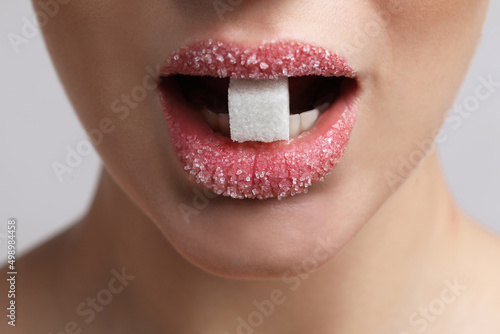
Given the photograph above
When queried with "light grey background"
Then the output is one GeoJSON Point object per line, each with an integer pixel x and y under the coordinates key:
{"type": "Point", "coordinates": [37, 123]}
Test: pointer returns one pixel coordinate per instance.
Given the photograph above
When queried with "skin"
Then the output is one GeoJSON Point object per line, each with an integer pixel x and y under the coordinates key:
{"type": "Point", "coordinates": [370, 246]}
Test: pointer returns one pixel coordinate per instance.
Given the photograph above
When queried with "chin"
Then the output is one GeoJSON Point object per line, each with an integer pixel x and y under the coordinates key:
{"type": "Point", "coordinates": [256, 239]}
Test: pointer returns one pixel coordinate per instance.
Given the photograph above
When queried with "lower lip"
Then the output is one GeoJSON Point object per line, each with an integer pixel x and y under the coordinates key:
{"type": "Point", "coordinates": [257, 170]}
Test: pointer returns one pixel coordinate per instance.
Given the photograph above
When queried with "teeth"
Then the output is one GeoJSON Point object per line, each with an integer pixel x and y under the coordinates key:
{"type": "Point", "coordinates": [211, 118]}
{"type": "Point", "coordinates": [299, 123]}
{"type": "Point", "coordinates": [294, 125]}
{"type": "Point", "coordinates": [308, 118]}
{"type": "Point", "coordinates": [323, 107]}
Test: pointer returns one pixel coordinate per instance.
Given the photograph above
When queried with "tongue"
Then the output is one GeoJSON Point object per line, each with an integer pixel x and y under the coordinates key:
{"type": "Point", "coordinates": [259, 110]}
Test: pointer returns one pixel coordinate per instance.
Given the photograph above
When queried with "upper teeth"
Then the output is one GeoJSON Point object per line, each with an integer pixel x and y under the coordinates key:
{"type": "Point", "coordinates": [299, 123]}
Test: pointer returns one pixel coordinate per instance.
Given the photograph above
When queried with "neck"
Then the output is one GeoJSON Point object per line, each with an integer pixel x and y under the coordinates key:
{"type": "Point", "coordinates": [367, 281]}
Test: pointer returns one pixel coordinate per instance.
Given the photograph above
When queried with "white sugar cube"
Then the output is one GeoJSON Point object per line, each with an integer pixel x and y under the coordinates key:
{"type": "Point", "coordinates": [259, 110]}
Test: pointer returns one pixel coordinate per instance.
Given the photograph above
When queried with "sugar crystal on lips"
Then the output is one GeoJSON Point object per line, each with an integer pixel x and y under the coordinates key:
{"type": "Point", "coordinates": [270, 60]}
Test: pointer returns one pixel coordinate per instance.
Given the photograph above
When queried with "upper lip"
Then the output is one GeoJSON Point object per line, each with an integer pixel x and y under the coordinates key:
{"type": "Point", "coordinates": [263, 61]}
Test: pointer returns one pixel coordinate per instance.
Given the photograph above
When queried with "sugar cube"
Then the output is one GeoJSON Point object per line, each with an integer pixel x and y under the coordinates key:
{"type": "Point", "coordinates": [259, 110]}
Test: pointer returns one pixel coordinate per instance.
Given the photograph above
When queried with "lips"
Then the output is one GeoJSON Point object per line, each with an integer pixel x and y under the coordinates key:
{"type": "Point", "coordinates": [256, 170]}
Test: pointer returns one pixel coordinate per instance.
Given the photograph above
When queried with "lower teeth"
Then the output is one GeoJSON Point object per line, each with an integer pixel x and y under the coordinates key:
{"type": "Point", "coordinates": [299, 123]}
{"type": "Point", "coordinates": [259, 110]}
{"type": "Point", "coordinates": [217, 122]}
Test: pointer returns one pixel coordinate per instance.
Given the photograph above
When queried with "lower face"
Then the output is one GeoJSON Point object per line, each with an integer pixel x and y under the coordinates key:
{"type": "Point", "coordinates": [388, 72]}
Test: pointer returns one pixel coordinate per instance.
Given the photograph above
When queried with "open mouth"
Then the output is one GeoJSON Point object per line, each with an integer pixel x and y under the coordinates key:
{"type": "Point", "coordinates": [310, 96]}
{"type": "Point", "coordinates": [322, 102]}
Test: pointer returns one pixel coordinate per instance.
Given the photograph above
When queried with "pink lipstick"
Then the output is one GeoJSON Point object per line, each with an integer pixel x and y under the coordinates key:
{"type": "Point", "coordinates": [253, 169]}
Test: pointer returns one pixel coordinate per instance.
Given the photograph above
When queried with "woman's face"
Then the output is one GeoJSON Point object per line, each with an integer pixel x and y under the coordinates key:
{"type": "Point", "coordinates": [407, 58]}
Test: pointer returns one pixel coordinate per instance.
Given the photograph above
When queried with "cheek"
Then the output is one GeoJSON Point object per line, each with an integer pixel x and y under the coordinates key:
{"type": "Point", "coordinates": [103, 49]}
{"type": "Point", "coordinates": [106, 54]}
{"type": "Point", "coordinates": [434, 43]}
{"type": "Point", "coordinates": [437, 36]}
{"type": "Point", "coordinates": [422, 62]}
{"type": "Point", "coordinates": [430, 46]}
